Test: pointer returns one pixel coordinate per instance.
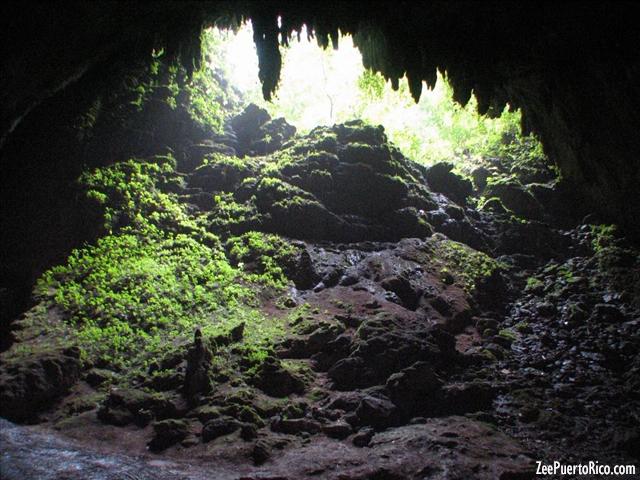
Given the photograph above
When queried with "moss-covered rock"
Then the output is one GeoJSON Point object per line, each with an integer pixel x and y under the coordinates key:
{"type": "Point", "coordinates": [275, 379]}
{"type": "Point", "coordinates": [168, 432]}
{"type": "Point", "coordinates": [516, 198]}
{"type": "Point", "coordinates": [442, 179]}
{"type": "Point", "coordinates": [341, 183]}
{"type": "Point", "coordinates": [129, 405]}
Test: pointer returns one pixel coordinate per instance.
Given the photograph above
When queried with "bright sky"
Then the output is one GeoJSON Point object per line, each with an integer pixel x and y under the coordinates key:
{"type": "Point", "coordinates": [316, 85]}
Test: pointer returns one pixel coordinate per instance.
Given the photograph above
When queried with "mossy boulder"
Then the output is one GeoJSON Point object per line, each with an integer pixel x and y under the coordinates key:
{"type": "Point", "coordinates": [247, 124]}
{"type": "Point", "coordinates": [221, 172]}
{"type": "Point", "coordinates": [517, 198]}
{"type": "Point", "coordinates": [219, 427]}
{"type": "Point", "coordinates": [271, 136]}
{"type": "Point", "coordinates": [168, 432]}
{"type": "Point", "coordinates": [129, 405]}
{"type": "Point", "coordinates": [274, 379]}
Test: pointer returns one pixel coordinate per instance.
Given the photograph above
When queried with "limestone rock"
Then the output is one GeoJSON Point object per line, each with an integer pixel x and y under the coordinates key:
{"type": "Point", "coordinates": [442, 179]}
{"type": "Point", "coordinates": [168, 432]}
{"type": "Point", "coordinates": [27, 388]}
{"type": "Point", "coordinates": [197, 379]}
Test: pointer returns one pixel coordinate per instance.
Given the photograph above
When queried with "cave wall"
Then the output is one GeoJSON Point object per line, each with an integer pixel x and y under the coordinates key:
{"type": "Point", "coordinates": [573, 68]}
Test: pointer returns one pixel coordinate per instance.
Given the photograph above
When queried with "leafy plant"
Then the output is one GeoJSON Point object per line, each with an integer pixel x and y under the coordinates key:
{"type": "Point", "coordinates": [602, 236]}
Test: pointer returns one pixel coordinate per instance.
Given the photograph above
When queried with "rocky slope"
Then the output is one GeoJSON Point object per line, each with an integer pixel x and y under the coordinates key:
{"type": "Point", "coordinates": [412, 331]}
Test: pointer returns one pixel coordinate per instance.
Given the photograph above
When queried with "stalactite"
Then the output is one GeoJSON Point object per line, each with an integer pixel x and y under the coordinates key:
{"type": "Point", "coordinates": [265, 36]}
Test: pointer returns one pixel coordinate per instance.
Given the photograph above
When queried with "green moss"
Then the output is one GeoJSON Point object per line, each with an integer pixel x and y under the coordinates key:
{"type": "Point", "coordinates": [129, 195]}
{"type": "Point", "coordinates": [492, 204]}
{"type": "Point", "coordinates": [488, 355]}
{"type": "Point", "coordinates": [264, 256]}
{"type": "Point", "coordinates": [533, 284]}
{"type": "Point", "coordinates": [464, 264]}
{"type": "Point", "coordinates": [299, 368]}
{"type": "Point", "coordinates": [85, 403]}
{"type": "Point", "coordinates": [143, 289]}
{"type": "Point", "coordinates": [128, 293]}
{"type": "Point", "coordinates": [320, 139]}
{"type": "Point", "coordinates": [508, 334]}
{"type": "Point", "coordinates": [603, 235]}
{"type": "Point", "coordinates": [229, 215]}
{"type": "Point", "coordinates": [566, 273]}
{"type": "Point", "coordinates": [240, 165]}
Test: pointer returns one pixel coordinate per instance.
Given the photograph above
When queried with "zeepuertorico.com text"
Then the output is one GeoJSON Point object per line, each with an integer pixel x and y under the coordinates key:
{"type": "Point", "coordinates": [590, 468]}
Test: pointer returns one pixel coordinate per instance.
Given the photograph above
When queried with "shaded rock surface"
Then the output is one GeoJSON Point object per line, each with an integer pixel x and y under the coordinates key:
{"type": "Point", "coordinates": [29, 386]}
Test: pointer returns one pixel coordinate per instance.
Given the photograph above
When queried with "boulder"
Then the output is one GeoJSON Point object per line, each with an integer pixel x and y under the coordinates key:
{"type": "Point", "coordinates": [29, 387]}
{"type": "Point", "coordinates": [346, 373]}
{"type": "Point", "coordinates": [261, 452]}
{"type": "Point", "coordinates": [357, 131]}
{"type": "Point", "coordinates": [221, 173]}
{"type": "Point", "coordinates": [403, 288]}
{"type": "Point", "coordinates": [363, 437]}
{"type": "Point", "coordinates": [219, 427]}
{"type": "Point", "coordinates": [197, 153]}
{"type": "Point", "coordinates": [275, 380]}
{"type": "Point", "coordinates": [271, 136]}
{"type": "Point", "coordinates": [339, 430]}
{"type": "Point", "coordinates": [480, 176]}
{"type": "Point", "coordinates": [129, 405]}
{"type": "Point", "coordinates": [378, 412]}
{"type": "Point", "coordinates": [414, 388]}
{"type": "Point", "coordinates": [607, 313]}
{"type": "Point", "coordinates": [516, 198]}
{"type": "Point", "coordinates": [167, 433]}
{"type": "Point", "coordinates": [246, 126]}
{"type": "Point", "coordinates": [441, 179]}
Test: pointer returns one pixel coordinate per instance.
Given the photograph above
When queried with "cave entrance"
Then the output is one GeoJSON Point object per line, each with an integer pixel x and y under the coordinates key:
{"type": "Point", "coordinates": [324, 86]}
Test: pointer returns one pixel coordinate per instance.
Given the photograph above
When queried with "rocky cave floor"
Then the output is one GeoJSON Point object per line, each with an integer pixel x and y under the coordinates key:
{"type": "Point", "coordinates": [407, 367]}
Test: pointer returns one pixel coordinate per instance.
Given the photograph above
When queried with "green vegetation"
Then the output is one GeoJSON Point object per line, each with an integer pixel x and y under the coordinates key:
{"type": "Point", "coordinates": [603, 236]}
{"type": "Point", "coordinates": [227, 213]}
{"type": "Point", "coordinates": [157, 275]}
{"type": "Point", "coordinates": [140, 101]}
{"type": "Point", "coordinates": [160, 271]}
{"type": "Point", "coordinates": [131, 292]}
{"type": "Point", "coordinates": [210, 97]}
{"type": "Point", "coordinates": [534, 284]}
{"type": "Point", "coordinates": [508, 334]}
{"type": "Point", "coordinates": [129, 195]}
{"type": "Point", "coordinates": [265, 255]}
{"type": "Point", "coordinates": [462, 263]}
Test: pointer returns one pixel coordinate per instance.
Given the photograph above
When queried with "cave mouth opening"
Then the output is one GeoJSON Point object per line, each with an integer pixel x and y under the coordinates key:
{"type": "Point", "coordinates": [325, 86]}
